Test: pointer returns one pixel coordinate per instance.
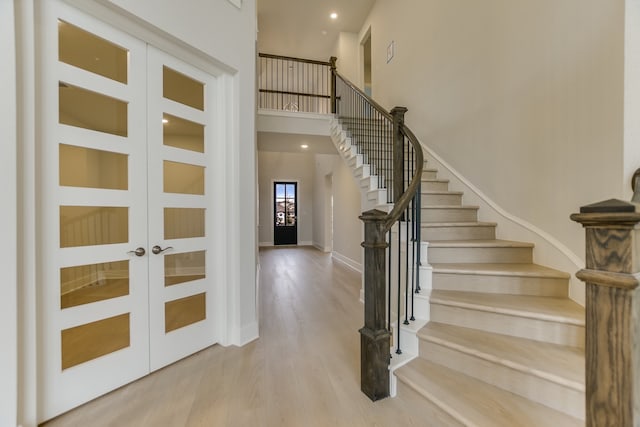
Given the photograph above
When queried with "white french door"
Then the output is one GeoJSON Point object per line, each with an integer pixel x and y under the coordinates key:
{"type": "Point", "coordinates": [126, 153]}
{"type": "Point", "coordinates": [181, 128]}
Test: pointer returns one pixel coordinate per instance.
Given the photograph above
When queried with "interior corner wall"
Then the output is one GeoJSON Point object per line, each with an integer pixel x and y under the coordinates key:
{"type": "Point", "coordinates": [8, 219]}
{"type": "Point", "coordinates": [347, 227]}
{"type": "Point", "coordinates": [280, 166]}
{"type": "Point", "coordinates": [525, 99]}
{"type": "Point", "coordinates": [322, 170]}
{"type": "Point", "coordinates": [348, 54]}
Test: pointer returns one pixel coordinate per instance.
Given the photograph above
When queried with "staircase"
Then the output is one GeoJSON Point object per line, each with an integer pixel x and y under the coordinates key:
{"type": "Point", "coordinates": [502, 344]}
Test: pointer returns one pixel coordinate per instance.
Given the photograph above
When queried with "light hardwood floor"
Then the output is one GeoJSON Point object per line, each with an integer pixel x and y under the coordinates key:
{"type": "Point", "coordinates": [304, 370]}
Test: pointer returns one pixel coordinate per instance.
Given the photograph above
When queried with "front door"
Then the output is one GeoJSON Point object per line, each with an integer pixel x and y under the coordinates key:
{"type": "Point", "coordinates": [126, 151]}
{"type": "Point", "coordinates": [285, 226]}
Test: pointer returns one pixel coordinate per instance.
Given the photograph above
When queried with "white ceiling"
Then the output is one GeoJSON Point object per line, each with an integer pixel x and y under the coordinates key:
{"type": "Point", "coordinates": [290, 143]}
{"type": "Point", "coordinates": [296, 27]}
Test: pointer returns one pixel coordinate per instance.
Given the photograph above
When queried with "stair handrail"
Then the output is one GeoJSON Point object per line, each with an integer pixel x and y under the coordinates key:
{"type": "Point", "coordinates": [371, 101]}
{"type": "Point", "coordinates": [404, 199]}
{"type": "Point", "coordinates": [635, 186]}
{"type": "Point", "coordinates": [376, 332]}
{"type": "Point", "coordinates": [401, 205]}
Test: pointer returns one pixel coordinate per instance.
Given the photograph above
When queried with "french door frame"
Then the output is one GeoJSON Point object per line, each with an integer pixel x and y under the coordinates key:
{"type": "Point", "coordinates": [47, 12]}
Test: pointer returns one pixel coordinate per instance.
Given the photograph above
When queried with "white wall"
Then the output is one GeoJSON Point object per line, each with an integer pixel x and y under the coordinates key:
{"type": "Point", "coordinates": [525, 99]}
{"type": "Point", "coordinates": [347, 227]}
{"type": "Point", "coordinates": [8, 220]}
{"type": "Point", "coordinates": [279, 166]}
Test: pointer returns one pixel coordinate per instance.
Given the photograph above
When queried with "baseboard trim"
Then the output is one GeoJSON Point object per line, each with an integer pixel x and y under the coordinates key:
{"type": "Point", "coordinates": [354, 265]}
{"type": "Point", "coordinates": [321, 248]}
{"type": "Point", "coordinates": [248, 333]}
{"type": "Point", "coordinates": [270, 244]}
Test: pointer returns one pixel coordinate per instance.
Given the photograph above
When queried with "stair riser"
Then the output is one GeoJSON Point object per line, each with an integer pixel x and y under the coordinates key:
{"type": "Point", "coordinates": [428, 410]}
{"type": "Point", "coordinates": [441, 199]}
{"type": "Point", "coordinates": [427, 174]}
{"type": "Point", "coordinates": [534, 329]}
{"type": "Point", "coordinates": [362, 172]}
{"type": "Point", "coordinates": [549, 393]}
{"type": "Point", "coordinates": [435, 185]}
{"type": "Point", "coordinates": [512, 285]}
{"type": "Point", "coordinates": [449, 215]}
{"type": "Point", "coordinates": [480, 255]}
{"type": "Point", "coordinates": [369, 183]}
{"type": "Point", "coordinates": [459, 233]}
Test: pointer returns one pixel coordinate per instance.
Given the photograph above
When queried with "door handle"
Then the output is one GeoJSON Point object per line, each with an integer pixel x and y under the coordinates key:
{"type": "Point", "coordinates": [138, 252]}
{"type": "Point", "coordinates": [158, 250]}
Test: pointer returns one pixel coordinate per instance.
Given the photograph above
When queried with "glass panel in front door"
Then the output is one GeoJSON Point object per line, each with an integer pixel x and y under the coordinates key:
{"type": "Point", "coordinates": [285, 201]}
{"type": "Point", "coordinates": [285, 214]}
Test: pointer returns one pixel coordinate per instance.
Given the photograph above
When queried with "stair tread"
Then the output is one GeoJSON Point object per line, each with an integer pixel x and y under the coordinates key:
{"type": "Point", "coordinates": [459, 224]}
{"type": "Point", "coordinates": [475, 403]}
{"type": "Point", "coordinates": [554, 309]}
{"type": "Point", "coordinates": [434, 180]}
{"type": "Point", "coordinates": [495, 269]}
{"type": "Point", "coordinates": [463, 207]}
{"type": "Point", "coordinates": [441, 192]}
{"type": "Point", "coordinates": [493, 243]}
{"type": "Point", "coordinates": [560, 364]}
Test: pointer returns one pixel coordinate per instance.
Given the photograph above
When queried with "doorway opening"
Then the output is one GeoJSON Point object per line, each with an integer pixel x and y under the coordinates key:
{"type": "Point", "coordinates": [366, 62]}
{"type": "Point", "coordinates": [285, 224]}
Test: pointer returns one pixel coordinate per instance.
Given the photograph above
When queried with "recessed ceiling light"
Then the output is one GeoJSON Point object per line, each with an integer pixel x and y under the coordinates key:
{"type": "Point", "coordinates": [165, 121]}
{"type": "Point", "coordinates": [304, 146]}
{"type": "Point", "coordinates": [333, 15]}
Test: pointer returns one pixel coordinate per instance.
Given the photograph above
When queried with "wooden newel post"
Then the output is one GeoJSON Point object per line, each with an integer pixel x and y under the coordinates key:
{"type": "Point", "coordinates": [332, 61]}
{"type": "Point", "coordinates": [374, 336]}
{"type": "Point", "coordinates": [398, 152]}
{"type": "Point", "coordinates": [612, 350]}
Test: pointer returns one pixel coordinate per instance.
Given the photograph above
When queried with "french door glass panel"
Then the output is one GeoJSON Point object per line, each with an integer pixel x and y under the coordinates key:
{"type": "Point", "coordinates": [125, 155]}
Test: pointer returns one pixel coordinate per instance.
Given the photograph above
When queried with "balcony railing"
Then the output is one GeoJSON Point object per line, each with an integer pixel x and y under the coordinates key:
{"type": "Point", "coordinates": [294, 84]}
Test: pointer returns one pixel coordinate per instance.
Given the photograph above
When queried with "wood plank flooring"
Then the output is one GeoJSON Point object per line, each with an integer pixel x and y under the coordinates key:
{"type": "Point", "coordinates": [303, 371]}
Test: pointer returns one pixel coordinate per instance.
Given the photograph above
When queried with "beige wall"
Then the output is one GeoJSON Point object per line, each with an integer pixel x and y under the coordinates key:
{"type": "Point", "coordinates": [631, 94]}
{"type": "Point", "coordinates": [279, 166]}
{"type": "Point", "coordinates": [525, 99]}
{"type": "Point", "coordinates": [348, 51]}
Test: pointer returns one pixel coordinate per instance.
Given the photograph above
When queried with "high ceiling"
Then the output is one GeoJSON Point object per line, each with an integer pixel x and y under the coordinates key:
{"type": "Point", "coordinates": [303, 28]}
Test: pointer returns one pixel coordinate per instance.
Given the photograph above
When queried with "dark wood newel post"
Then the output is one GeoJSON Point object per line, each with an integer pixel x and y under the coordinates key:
{"type": "Point", "coordinates": [398, 152]}
{"type": "Point", "coordinates": [332, 61]}
{"type": "Point", "coordinates": [612, 350]}
{"type": "Point", "coordinates": [374, 336]}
